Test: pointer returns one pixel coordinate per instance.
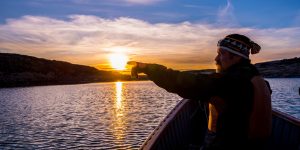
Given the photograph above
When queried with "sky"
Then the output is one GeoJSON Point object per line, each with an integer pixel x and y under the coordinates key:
{"type": "Point", "coordinates": [180, 34]}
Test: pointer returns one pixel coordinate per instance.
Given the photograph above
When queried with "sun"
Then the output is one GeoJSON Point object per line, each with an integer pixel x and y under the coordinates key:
{"type": "Point", "coordinates": [118, 61]}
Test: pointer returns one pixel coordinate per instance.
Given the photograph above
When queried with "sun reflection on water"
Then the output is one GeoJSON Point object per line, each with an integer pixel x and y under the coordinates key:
{"type": "Point", "coordinates": [119, 121]}
{"type": "Point", "coordinates": [119, 95]}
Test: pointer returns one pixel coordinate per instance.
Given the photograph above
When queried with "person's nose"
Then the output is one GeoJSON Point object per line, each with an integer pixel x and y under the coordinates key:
{"type": "Point", "coordinates": [217, 58]}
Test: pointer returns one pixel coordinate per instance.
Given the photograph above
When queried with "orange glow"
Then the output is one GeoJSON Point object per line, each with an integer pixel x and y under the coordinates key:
{"type": "Point", "coordinates": [119, 96]}
{"type": "Point", "coordinates": [118, 61]}
{"type": "Point", "coordinates": [120, 120]}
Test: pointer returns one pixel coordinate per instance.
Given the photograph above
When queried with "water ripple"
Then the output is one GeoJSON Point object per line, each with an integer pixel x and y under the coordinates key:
{"type": "Point", "coordinates": [285, 96]}
{"type": "Point", "coordinates": [99, 116]}
{"type": "Point", "coordinates": [87, 116]}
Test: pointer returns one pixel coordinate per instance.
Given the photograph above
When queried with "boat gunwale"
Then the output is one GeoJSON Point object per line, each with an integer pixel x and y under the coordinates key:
{"type": "Point", "coordinates": [157, 132]}
{"type": "Point", "coordinates": [291, 119]}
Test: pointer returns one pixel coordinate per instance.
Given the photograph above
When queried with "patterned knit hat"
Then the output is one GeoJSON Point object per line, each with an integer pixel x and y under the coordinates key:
{"type": "Point", "coordinates": [239, 45]}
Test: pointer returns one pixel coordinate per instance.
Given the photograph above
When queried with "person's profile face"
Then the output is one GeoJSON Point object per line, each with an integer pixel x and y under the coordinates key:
{"type": "Point", "coordinates": [223, 60]}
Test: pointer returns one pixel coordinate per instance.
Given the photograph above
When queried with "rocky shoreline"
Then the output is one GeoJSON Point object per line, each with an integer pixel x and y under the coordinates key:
{"type": "Point", "coordinates": [286, 68]}
{"type": "Point", "coordinates": [21, 70]}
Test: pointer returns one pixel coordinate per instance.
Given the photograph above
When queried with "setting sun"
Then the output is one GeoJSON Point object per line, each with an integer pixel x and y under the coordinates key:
{"type": "Point", "coordinates": [118, 61]}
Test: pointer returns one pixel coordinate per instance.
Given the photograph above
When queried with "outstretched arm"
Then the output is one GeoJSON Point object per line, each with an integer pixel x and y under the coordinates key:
{"type": "Point", "coordinates": [186, 85]}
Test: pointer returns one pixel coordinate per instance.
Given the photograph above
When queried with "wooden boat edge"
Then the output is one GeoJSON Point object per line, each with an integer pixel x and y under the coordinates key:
{"type": "Point", "coordinates": [286, 117]}
{"type": "Point", "coordinates": [157, 132]}
{"type": "Point", "coordinates": [150, 141]}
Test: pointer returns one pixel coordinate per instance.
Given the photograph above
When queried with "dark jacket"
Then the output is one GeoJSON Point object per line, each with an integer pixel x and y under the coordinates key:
{"type": "Point", "coordinates": [233, 86]}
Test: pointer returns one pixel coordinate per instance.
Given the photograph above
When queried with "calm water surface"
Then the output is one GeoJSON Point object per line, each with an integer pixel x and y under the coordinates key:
{"type": "Point", "coordinates": [116, 115]}
{"type": "Point", "coordinates": [100, 116]}
{"type": "Point", "coordinates": [285, 96]}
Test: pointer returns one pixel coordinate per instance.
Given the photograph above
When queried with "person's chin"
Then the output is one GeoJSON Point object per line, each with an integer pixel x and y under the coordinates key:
{"type": "Point", "coordinates": [218, 68]}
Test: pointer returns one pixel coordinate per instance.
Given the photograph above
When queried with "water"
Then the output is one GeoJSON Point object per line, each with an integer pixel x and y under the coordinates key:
{"type": "Point", "coordinates": [285, 96]}
{"type": "Point", "coordinates": [100, 116]}
{"type": "Point", "coordinates": [117, 115]}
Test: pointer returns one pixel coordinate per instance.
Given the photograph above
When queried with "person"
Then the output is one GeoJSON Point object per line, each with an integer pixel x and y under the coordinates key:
{"type": "Point", "coordinates": [238, 96]}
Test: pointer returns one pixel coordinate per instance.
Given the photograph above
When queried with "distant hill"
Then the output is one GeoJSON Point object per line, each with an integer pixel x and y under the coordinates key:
{"type": "Point", "coordinates": [21, 70]}
{"type": "Point", "coordinates": [286, 68]}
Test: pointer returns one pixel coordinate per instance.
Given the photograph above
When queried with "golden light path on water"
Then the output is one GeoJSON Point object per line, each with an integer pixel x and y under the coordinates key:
{"type": "Point", "coordinates": [119, 122]}
{"type": "Point", "coordinates": [119, 96]}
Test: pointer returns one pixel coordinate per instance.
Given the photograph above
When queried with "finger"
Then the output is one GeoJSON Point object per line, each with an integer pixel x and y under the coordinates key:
{"type": "Point", "coordinates": [132, 63]}
{"type": "Point", "coordinates": [134, 72]}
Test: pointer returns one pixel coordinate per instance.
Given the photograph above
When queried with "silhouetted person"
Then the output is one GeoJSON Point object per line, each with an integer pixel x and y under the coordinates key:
{"type": "Point", "coordinates": [239, 98]}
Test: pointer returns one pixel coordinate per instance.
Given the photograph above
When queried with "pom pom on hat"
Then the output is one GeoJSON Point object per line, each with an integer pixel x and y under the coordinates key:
{"type": "Point", "coordinates": [255, 48]}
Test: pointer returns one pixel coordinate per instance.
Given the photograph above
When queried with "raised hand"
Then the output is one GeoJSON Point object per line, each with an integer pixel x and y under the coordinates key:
{"type": "Point", "coordinates": [137, 67]}
{"type": "Point", "coordinates": [132, 63]}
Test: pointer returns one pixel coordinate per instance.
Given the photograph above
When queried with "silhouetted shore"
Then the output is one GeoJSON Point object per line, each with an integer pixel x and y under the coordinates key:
{"type": "Point", "coordinates": [286, 68]}
{"type": "Point", "coordinates": [21, 70]}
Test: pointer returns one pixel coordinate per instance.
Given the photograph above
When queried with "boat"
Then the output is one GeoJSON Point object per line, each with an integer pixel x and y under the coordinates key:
{"type": "Point", "coordinates": [185, 127]}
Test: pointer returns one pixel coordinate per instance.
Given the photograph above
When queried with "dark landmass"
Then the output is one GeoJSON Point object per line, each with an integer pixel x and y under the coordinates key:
{"type": "Point", "coordinates": [21, 70]}
{"type": "Point", "coordinates": [286, 68]}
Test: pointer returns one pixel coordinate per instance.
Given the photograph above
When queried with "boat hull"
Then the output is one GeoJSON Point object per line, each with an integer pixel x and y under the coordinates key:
{"type": "Point", "coordinates": [185, 127]}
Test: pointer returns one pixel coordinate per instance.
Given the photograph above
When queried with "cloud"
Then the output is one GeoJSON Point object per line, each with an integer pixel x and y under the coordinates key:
{"type": "Point", "coordinates": [89, 39]}
{"type": "Point", "coordinates": [226, 16]}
